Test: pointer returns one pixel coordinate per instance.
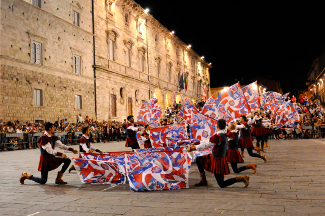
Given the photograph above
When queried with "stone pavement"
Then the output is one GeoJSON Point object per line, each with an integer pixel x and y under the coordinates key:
{"type": "Point", "coordinates": [290, 183]}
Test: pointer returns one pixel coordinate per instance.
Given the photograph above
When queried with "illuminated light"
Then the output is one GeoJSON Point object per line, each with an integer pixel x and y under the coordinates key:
{"type": "Point", "coordinates": [173, 32]}
{"type": "Point", "coordinates": [202, 57]}
{"type": "Point", "coordinates": [146, 11]}
{"type": "Point", "coordinates": [255, 86]}
{"type": "Point", "coordinates": [210, 63]}
{"type": "Point", "coordinates": [154, 95]}
{"type": "Point", "coordinates": [189, 46]}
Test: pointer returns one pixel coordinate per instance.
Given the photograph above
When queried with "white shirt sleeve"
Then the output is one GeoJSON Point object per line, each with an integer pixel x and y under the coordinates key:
{"type": "Point", "coordinates": [48, 149]}
{"type": "Point", "coordinates": [92, 147]}
{"type": "Point", "coordinates": [84, 147]}
{"type": "Point", "coordinates": [60, 145]}
{"type": "Point", "coordinates": [205, 144]}
{"type": "Point", "coordinates": [240, 126]}
{"type": "Point", "coordinates": [251, 121]}
{"type": "Point", "coordinates": [133, 128]}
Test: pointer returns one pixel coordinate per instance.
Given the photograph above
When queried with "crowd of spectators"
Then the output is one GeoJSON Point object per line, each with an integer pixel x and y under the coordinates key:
{"type": "Point", "coordinates": [62, 125]}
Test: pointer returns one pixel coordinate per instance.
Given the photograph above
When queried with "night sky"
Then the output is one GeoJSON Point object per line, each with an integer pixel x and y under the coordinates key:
{"type": "Point", "coordinates": [246, 40]}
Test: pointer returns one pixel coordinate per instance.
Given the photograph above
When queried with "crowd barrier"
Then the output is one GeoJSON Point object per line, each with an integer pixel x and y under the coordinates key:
{"type": "Point", "coordinates": [15, 141]}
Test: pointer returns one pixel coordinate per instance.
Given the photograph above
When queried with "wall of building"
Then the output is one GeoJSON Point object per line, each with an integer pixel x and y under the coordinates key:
{"type": "Point", "coordinates": [21, 24]}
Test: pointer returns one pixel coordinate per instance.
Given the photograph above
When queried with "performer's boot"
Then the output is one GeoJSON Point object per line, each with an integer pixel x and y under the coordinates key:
{"type": "Point", "coordinates": [71, 168]}
{"type": "Point", "coordinates": [258, 150]}
{"type": "Point", "coordinates": [266, 144]}
{"type": "Point", "coordinates": [264, 158]}
{"type": "Point", "coordinates": [24, 176]}
{"type": "Point", "coordinates": [59, 180]}
{"type": "Point", "coordinates": [242, 154]}
{"type": "Point", "coordinates": [263, 149]}
{"type": "Point", "coordinates": [203, 181]}
{"type": "Point", "coordinates": [251, 166]}
{"type": "Point", "coordinates": [244, 179]}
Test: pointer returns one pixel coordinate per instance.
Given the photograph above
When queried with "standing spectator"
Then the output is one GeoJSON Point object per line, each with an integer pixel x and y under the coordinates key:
{"type": "Point", "coordinates": [80, 119]}
{"type": "Point", "coordinates": [293, 99]}
{"type": "Point", "coordinates": [87, 120]}
{"type": "Point", "coordinates": [301, 100]}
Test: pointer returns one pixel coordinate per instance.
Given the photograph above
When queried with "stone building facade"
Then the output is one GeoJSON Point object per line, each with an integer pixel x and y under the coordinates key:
{"type": "Point", "coordinates": [51, 61]}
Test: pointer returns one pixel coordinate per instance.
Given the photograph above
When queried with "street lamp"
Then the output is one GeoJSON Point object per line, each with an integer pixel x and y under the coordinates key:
{"type": "Point", "coordinates": [146, 11]}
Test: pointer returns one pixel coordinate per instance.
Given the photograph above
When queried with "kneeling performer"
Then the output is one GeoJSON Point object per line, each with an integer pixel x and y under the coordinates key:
{"type": "Point", "coordinates": [50, 159]}
{"type": "Point", "coordinates": [216, 163]}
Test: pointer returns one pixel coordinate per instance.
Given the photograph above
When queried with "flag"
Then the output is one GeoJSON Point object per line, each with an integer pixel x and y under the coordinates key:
{"type": "Point", "coordinates": [181, 82]}
{"type": "Point", "coordinates": [271, 100]}
{"type": "Point", "coordinates": [204, 96]}
{"type": "Point", "coordinates": [149, 113]}
{"type": "Point", "coordinates": [163, 136]}
{"type": "Point", "coordinates": [252, 97]}
{"type": "Point", "coordinates": [232, 104]}
{"type": "Point", "coordinates": [99, 172]}
{"type": "Point", "coordinates": [186, 109]}
{"type": "Point", "coordinates": [201, 153]}
{"type": "Point", "coordinates": [286, 116]}
{"type": "Point", "coordinates": [202, 127]}
{"type": "Point", "coordinates": [186, 81]}
{"type": "Point", "coordinates": [210, 107]}
{"type": "Point", "coordinates": [159, 170]}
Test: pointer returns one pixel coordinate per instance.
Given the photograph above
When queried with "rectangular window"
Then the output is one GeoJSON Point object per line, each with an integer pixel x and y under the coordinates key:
{"type": "Point", "coordinates": [78, 101]}
{"type": "Point", "coordinates": [38, 97]}
{"type": "Point", "coordinates": [129, 106]}
{"type": "Point", "coordinates": [36, 3]}
{"type": "Point", "coordinates": [76, 18]}
{"type": "Point", "coordinates": [77, 65]}
{"type": "Point", "coordinates": [128, 58]}
{"type": "Point", "coordinates": [36, 52]}
{"type": "Point", "coordinates": [111, 50]}
{"type": "Point", "coordinates": [113, 105]}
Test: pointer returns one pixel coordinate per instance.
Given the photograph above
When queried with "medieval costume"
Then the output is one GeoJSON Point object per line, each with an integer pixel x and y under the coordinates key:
{"type": "Point", "coordinates": [131, 140]}
{"type": "Point", "coordinates": [50, 159]}
{"type": "Point", "coordinates": [216, 162]}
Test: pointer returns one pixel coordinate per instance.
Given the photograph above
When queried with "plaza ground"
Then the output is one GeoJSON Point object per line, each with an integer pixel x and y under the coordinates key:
{"type": "Point", "coordinates": [290, 183]}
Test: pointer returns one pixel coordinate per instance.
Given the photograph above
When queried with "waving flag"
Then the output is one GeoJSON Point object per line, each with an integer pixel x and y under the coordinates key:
{"type": "Point", "coordinates": [163, 136]}
{"type": "Point", "coordinates": [286, 116]}
{"type": "Point", "coordinates": [271, 100]}
{"type": "Point", "coordinates": [204, 96]}
{"type": "Point", "coordinates": [210, 107]}
{"type": "Point", "coordinates": [163, 170]}
{"type": "Point", "coordinates": [201, 153]}
{"type": "Point", "coordinates": [99, 172]}
{"type": "Point", "coordinates": [232, 104]}
{"type": "Point", "coordinates": [186, 109]}
{"type": "Point", "coordinates": [202, 127]}
{"type": "Point", "coordinates": [149, 113]}
{"type": "Point", "coordinates": [252, 97]}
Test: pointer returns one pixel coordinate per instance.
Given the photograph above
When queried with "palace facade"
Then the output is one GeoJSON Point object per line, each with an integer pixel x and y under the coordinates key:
{"type": "Point", "coordinates": [100, 58]}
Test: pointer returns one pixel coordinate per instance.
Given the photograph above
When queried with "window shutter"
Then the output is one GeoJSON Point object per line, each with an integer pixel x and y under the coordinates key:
{"type": "Point", "coordinates": [111, 50]}
{"type": "Point", "coordinates": [77, 64]}
{"type": "Point", "coordinates": [38, 53]}
{"type": "Point", "coordinates": [34, 52]}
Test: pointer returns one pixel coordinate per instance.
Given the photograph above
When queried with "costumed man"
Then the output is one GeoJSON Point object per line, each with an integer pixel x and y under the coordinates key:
{"type": "Point", "coordinates": [258, 131]}
{"type": "Point", "coordinates": [85, 145]}
{"type": "Point", "coordinates": [216, 162]}
{"type": "Point", "coordinates": [245, 140]}
{"type": "Point", "coordinates": [266, 122]}
{"type": "Point", "coordinates": [145, 137]}
{"type": "Point", "coordinates": [110, 133]}
{"type": "Point", "coordinates": [233, 155]}
{"type": "Point", "coordinates": [131, 129]}
{"type": "Point", "coordinates": [50, 159]}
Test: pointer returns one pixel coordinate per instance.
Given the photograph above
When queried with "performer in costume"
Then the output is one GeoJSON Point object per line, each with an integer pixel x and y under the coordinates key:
{"type": "Point", "coordinates": [131, 140]}
{"type": "Point", "coordinates": [245, 140]}
{"type": "Point", "coordinates": [50, 159]}
{"type": "Point", "coordinates": [216, 162]}
{"type": "Point", "coordinates": [85, 145]}
{"type": "Point", "coordinates": [266, 122]}
{"type": "Point", "coordinates": [146, 138]}
{"type": "Point", "coordinates": [233, 155]}
{"type": "Point", "coordinates": [110, 133]}
{"type": "Point", "coordinates": [258, 131]}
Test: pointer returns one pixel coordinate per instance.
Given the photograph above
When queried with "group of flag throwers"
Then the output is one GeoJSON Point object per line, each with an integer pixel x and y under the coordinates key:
{"type": "Point", "coordinates": [225, 125]}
